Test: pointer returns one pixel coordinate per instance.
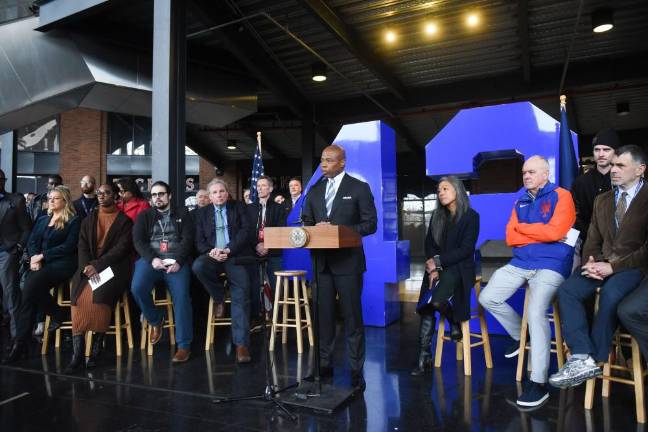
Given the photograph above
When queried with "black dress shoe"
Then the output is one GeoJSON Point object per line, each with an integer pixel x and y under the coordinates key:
{"type": "Point", "coordinates": [358, 382]}
{"type": "Point", "coordinates": [18, 351]}
{"type": "Point", "coordinates": [455, 332]}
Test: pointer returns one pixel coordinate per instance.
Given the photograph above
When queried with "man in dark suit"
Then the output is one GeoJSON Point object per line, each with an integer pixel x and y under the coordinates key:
{"type": "Point", "coordinates": [14, 232]}
{"type": "Point", "coordinates": [264, 213]}
{"type": "Point", "coordinates": [223, 234]}
{"type": "Point", "coordinates": [340, 199]}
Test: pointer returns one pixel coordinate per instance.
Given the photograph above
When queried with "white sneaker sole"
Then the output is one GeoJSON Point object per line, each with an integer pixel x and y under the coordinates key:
{"type": "Point", "coordinates": [513, 354]}
{"type": "Point", "coordinates": [533, 403]}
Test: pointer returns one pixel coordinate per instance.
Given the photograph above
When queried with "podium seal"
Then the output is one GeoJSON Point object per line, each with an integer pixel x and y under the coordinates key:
{"type": "Point", "coordinates": [298, 237]}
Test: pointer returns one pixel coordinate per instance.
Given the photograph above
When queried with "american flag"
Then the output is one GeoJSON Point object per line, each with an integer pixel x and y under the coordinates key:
{"type": "Point", "coordinates": [257, 169]}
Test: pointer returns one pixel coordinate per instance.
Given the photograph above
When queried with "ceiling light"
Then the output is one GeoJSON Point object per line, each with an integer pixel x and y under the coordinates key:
{"type": "Point", "coordinates": [431, 28]}
{"type": "Point", "coordinates": [472, 20]}
{"type": "Point", "coordinates": [231, 144]}
{"type": "Point", "coordinates": [623, 108]}
{"type": "Point", "coordinates": [602, 20]}
{"type": "Point", "coordinates": [319, 71]}
{"type": "Point", "coordinates": [390, 36]}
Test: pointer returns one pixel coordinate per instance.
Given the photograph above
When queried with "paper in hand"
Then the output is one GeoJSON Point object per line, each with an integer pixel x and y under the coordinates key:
{"type": "Point", "coordinates": [571, 238]}
{"type": "Point", "coordinates": [104, 277]}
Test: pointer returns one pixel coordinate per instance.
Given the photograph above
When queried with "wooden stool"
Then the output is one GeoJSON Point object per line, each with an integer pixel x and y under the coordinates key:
{"type": "Point", "coordinates": [213, 322]}
{"type": "Point", "coordinates": [556, 344]}
{"type": "Point", "coordinates": [145, 339]}
{"type": "Point", "coordinates": [122, 306]}
{"type": "Point", "coordinates": [637, 373]}
{"type": "Point", "coordinates": [65, 325]}
{"type": "Point", "coordinates": [297, 301]}
{"type": "Point", "coordinates": [464, 347]}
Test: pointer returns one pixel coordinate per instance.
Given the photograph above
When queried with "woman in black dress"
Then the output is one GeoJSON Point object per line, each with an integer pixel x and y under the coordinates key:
{"type": "Point", "coordinates": [449, 266]}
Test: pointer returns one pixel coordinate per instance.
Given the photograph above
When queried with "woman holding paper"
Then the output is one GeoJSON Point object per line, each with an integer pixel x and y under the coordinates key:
{"type": "Point", "coordinates": [52, 249]}
{"type": "Point", "coordinates": [105, 246]}
{"type": "Point", "coordinates": [450, 266]}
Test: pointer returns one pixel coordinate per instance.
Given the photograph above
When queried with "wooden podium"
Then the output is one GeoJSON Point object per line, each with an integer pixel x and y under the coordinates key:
{"type": "Point", "coordinates": [312, 393]}
{"type": "Point", "coordinates": [319, 237]}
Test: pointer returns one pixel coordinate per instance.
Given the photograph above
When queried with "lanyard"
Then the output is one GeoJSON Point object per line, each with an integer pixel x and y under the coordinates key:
{"type": "Point", "coordinates": [163, 228]}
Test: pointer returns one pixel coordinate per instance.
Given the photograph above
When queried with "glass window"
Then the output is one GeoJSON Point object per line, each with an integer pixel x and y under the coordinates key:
{"type": "Point", "coordinates": [39, 137]}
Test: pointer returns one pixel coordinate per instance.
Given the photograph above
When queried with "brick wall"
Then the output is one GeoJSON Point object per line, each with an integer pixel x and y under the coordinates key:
{"type": "Point", "coordinates": [230, 176]}
{"type": "Point", "coordinates": [83, 143]}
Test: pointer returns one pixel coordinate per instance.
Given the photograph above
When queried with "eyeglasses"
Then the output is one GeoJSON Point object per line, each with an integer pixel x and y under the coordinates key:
{"type": "Point", "coordinates": [86, 183]}
{"type": "Point", "coordinates": [102, 193]}
{"type": "Point", "coordinates": [158, 194]}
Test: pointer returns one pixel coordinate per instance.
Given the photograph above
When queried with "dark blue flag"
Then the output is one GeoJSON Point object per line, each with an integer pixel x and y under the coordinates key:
{"type": "Point", "coordinates": [567, 162]}
{"type": "Point", "coordinates": [257, 169]}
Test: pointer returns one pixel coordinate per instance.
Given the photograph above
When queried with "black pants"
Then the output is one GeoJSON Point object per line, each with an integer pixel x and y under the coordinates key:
{"type": "Point", "coordinates": [349, 288]}
{"type": "Point", "coordinates": [35, 295]}
{"type": "Point", "coordinates": [633, 313]}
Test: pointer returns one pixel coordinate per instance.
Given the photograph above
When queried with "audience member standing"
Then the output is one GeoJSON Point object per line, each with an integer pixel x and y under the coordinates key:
{"type": "Point", "coordinates": [14, 233]}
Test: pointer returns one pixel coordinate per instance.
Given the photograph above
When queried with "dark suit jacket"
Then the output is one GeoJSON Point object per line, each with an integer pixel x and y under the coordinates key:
{"type": "Point", "coordinates": [80, 210]}
{"type": "Point", "coordinates": [115, 254]}
{"type": "Point", "coordinates": [60, 251]}
{"type": "Point", "coordinates": [14, 222]}
{"type": "Point", "coordinates": [354, 207]}
{"type": "Point", "coordinates": [275, 217]}
{"type": "Point", "coordinates": [457, 255]}
{"type": "Point", "coordinates": [625, 247]}
{"type": "Point", "coordinates": [239, 229]}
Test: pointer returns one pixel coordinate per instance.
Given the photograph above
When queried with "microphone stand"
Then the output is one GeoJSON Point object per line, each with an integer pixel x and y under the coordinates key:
{"type": "Point", "coordinates": [269, 393]}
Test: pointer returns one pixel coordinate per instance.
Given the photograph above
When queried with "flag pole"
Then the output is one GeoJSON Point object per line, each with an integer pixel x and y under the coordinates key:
{"type": "Point", "coordinates": [259, 141]}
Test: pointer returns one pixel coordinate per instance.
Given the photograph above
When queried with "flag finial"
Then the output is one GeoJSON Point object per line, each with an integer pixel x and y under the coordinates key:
{"type": "Point", "coordinates": [563, 101]}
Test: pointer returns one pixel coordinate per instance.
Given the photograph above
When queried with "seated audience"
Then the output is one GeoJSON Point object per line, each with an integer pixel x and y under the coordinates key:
{"type": "Point", "coordinates": [615, 259]}
{"type": "Point", "coordinates": [449, 266]}
{"type": "Point", "coordinates": [540, 219]}
{"type": "Point", "coordinates": [105, 241]}
{"type": "Point", "coordinates": [132, 202]}
{"type": "Point", "coordinates": [223, 234]}
{"type": "Point", "coordinates": [88, 200]}
{"type": "Point", "coordinates": [163, 238]}
{"type": "Point", "coordinates": [52, 250]}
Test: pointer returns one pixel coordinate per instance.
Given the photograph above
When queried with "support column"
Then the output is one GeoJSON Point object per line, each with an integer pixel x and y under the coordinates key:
{"type": "Point", "coordinates": [8, 159]}
{"type": "Point", "coordinates": [307, 148]}
{"type": "Point", "coordinates": [168, 105]}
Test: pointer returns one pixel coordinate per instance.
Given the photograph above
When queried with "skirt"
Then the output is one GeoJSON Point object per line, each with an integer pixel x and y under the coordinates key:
{"type": "Point", "coordinates": [89, 316]}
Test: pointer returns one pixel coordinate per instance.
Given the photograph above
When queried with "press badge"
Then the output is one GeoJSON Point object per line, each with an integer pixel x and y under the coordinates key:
{"type": "Point", "coordinates": [164, 246]}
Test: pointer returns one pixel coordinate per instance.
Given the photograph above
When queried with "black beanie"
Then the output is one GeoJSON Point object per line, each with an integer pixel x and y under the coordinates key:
{"type": "Point", "coordinates": [607, 137]}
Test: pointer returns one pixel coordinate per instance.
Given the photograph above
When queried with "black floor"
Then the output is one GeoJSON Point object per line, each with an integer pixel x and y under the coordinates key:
{"type": "Point", "coordinates": [140, 393]}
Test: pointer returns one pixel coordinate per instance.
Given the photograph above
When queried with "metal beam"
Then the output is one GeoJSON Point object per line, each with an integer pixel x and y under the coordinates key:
{"type": "Point", "coordinates": [8, 159]}
{"type": "Point", "coordinates": [168, 104]}
{"type": "Point", "coordinates": [523, 34]}
{"type": "Point", "coordinates": [509, 87]}
{"type": "Point", "coordinates": [355, 45]}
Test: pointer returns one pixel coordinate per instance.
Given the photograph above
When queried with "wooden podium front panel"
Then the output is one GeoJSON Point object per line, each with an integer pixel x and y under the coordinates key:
{"type": "Point", "coordinates": [320, 237]}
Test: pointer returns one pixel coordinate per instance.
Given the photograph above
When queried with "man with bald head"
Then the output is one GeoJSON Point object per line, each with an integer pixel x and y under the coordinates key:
{"type": "Point", "coordinates": [88, 200]}
{"type": "Point", "coordinates": [540, 220]}
{"type": "Point", "coordinates": [339, 199]}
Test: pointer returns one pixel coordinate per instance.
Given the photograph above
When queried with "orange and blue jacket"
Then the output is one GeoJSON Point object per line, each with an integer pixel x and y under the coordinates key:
{"type": "Point", "coordinates": [536, 228]}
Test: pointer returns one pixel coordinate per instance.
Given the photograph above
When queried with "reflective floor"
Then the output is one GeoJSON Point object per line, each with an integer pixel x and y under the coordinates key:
{"type": "Point", "coordinates": [140, 393]}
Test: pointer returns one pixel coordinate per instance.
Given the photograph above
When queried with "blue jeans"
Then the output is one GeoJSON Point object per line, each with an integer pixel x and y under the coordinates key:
{"type": "Point", "coordinates": [571, 298]}
{"type": "Point", "coordinates": [144, 279]}
{"type": "Point", "coordinates": [207, 270]}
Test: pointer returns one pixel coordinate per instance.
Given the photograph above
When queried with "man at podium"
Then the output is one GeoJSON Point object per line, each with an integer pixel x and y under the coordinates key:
{"type": "Point", "coordinates": [339, 199]}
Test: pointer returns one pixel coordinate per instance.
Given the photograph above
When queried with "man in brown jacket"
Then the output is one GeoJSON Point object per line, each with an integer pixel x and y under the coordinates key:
{"type": "Point", "coordinates": [616, 254]}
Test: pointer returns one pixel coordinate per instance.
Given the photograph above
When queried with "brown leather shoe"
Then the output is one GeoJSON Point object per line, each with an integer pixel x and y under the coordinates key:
{"type": "Point", "coordinates": [243, 355]}
{"type": "Point", "coordinates": [156, 334]}
{"type": "Point", "coordinates": [219, 310]}
{"type": "Point", "coordinates": [181, 356]}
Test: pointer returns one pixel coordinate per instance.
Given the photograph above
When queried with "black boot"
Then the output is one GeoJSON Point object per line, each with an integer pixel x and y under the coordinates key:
{"type": "Point", "coordinates": [426, 330]}
{"type": "Point", "coordinates": [455, 328]}
{"type": "Point", "coordinates": [19, 350]}
{"type": "Point", "coordinates": [97, 347]}
{"type": "Point", "coordinates": [78, 354]}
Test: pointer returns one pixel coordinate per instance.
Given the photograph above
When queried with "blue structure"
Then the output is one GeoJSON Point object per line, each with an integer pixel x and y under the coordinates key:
{"type": "Point", "coordinates": [370, 156]}
{"type": "Point", "coordinates": [492, 132]}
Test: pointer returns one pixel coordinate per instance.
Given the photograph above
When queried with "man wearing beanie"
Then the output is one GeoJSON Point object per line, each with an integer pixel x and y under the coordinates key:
{"type": "Point", "coordinates": [587, 186]}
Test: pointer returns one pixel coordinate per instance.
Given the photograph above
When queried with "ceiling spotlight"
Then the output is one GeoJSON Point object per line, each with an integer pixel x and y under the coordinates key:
{"type": "Point", "coordinates": [319, 71]}
{"type": "Point", "coordinates": [390, 36]}
{"type": "Point", "coordinates": [431, 28]}
{"type": "Point", "coordinates": [602, 20]}
{"type": "Point", "coordinates": [623, 108]}
{"type": "Point", "coordinates": [472, 20]}
{"type": "Point", "coordinates": [231, 144]}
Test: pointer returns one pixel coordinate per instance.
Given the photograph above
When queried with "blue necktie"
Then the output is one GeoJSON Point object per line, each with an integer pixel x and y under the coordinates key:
{"type": "Point", "coordinates": [330, 195]}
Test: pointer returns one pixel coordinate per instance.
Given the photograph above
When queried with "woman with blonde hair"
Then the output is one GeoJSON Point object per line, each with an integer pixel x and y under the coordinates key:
{"type": "Point", "coordinates": [52, 249]}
